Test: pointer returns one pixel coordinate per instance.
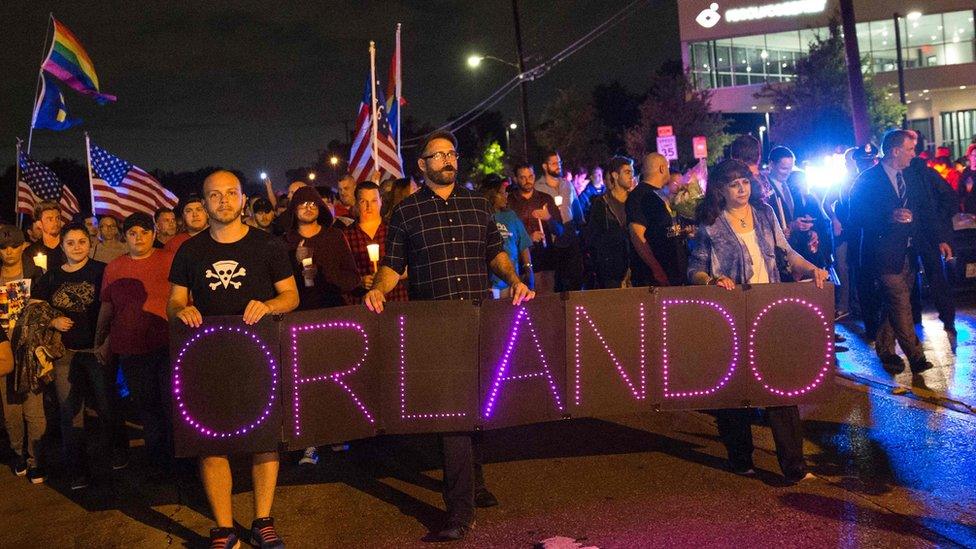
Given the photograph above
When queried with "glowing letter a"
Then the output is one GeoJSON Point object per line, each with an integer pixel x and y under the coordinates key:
{"type": "Point", "coordinates": [501, 371]}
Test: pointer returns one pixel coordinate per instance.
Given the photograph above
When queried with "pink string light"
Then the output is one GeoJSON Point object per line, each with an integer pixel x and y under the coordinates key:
{"type": "Point", "coordinates": [501, 371]}
{"type": "Point", "coordinates": [403, 381]}
{"type": "Point", "coordinates": [665, 357]}
{"type": "Point", "coordinates": [828, 353]}
{"type": "Point", "coordinates": [178, 382]}
{"type": "Point", "coordinates": [581, 313]}
{"type": "Point", "coordinates": [335, 377]}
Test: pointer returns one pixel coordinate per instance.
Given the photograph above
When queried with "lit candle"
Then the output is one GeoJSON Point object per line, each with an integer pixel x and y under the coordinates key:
{"type": "Point", "coordinates": [40, 260]}
{"type": "Point", "coordinates": [559, 200]}
{"type": "Point", "coordinates": [374, 254]}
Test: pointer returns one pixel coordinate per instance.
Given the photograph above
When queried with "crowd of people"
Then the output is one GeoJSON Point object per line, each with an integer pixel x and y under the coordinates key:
{"type": "Point", "coordinates": [87, 303]}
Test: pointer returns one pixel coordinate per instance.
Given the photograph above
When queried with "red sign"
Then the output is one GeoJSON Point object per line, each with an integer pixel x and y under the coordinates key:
{"type": "Point", "coordinates": [700, 146]}
{"type": "Point", "coordinates": [665, 131]}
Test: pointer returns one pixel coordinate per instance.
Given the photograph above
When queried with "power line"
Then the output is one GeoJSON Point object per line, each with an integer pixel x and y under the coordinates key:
{"type": "Point", "coordinates": [536, 72]}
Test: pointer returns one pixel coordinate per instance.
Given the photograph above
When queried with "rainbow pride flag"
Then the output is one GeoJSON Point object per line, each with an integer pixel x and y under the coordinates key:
{"type": "Point", "coordinates": [67, 61]}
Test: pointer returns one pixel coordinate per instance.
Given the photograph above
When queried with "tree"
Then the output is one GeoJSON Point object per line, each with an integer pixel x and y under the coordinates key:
{"type": "Point", "coordinates": [814, 112]}
{"type": "Point", "coordinates": [570, 125]}
{"type": "Point", "coordinates": [672, 100]}
{"type": "Point", "coordinates": [618, 111]}
{"type": "Point", "coordinates": [492, 161]}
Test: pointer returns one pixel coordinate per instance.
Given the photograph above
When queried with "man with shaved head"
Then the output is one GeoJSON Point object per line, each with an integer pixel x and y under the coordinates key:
{"type": "Point", "coordinates": [661, 258]}
{"type": "Point", "coordinates": [254, 279]}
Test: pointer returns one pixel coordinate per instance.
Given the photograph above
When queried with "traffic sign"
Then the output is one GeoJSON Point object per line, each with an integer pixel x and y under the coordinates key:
{"type": "Point", "coordinates": [668, 147]}
{"type": "Point", "coordinates": [700, 146]}
{"type": "Point", "coordinates": [665, 131]}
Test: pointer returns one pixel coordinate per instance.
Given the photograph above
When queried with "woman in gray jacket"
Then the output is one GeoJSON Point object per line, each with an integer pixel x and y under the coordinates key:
{"type": "Point", "coordinates": [739, 242]}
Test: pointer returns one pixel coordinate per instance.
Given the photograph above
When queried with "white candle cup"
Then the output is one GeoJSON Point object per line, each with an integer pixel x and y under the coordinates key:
{"type": "Point", "coordinates": [40, 260]}
{"type": "Point", "coordinates": [558, 200]}
{"type": "Point", "coordinates": [374, 252]}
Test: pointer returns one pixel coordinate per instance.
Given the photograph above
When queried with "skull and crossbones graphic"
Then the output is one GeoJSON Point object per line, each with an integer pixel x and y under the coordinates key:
{"type": "Point", "coordinates": [226, 272]}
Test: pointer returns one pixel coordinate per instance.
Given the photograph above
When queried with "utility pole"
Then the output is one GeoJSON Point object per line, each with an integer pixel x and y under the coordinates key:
{"type": "Point", "coordinates": [526, 128]}
{"type": "Point", "coordinates": [901, 70]}
{"type": "Point", "coordinates": [855, 78]}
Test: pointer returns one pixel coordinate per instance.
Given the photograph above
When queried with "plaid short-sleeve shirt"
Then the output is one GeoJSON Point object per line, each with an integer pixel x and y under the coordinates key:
{"type": "Point", "coordinates": [447, 244]}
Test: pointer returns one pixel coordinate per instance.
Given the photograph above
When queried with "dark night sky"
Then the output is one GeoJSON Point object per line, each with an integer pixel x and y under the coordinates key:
{"type": "Point", "coordinates": [254, 85]}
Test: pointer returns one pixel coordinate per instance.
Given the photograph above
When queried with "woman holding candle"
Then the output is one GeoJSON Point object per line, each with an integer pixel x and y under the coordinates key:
{"type": "Point", "coordinates": [738, 242]}
{"type": "Point", "coordinates": [323, 265]}
{"type": "Point", "coordinates": [367, 240]}
{"type": "Point", "coordinates": [73, 289]}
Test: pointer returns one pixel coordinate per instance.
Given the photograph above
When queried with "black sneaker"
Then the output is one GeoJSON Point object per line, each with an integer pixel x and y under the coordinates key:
{"type": "Point", "coordinates": [79, 482]}
{"type": "Point", "coordinates": [264, 535]}
{"type": "Point", "coordinates": [36, 475]}
{"type": "Point", "coordinates": [120, 459]}
{"type": "Point", "coordinates": [454, 531]}
{"type": "Point", "coordinates": [921, 366]}
{"type": "Point", "coordinates": [224, 538]}
{"type": "Point", "coordinates": [483, 499]}
{"type": "Point", "coordinates": [19, 467]}
{"type": "Point", "coordinates": [892, 363]}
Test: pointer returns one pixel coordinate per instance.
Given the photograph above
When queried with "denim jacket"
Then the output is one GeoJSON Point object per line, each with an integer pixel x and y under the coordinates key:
{"type": "Point", "coordinates": [717, 251]}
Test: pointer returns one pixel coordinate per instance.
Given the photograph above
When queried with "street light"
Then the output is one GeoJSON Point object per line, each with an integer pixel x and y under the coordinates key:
{"type": "Point", "coordinates": [311, 176]}
{"type": "Point", "coordinates": [474, 61]}
{"type": "Point", "coordinates": [334, 160]}
{"type": "Point", "coordinates": [508, 141]}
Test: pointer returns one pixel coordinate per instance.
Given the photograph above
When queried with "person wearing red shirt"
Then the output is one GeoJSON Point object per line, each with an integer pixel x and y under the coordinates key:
{"type": "Point", "coordinates": [194, 221]}
{"type": "Point", "coordinates": [369, 229]}
{"type": "Point", "coordinates": [132, 325]}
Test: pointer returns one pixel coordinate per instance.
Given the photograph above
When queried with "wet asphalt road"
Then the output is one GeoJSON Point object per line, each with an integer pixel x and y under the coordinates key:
{"type": "Point", "coordinates": [891, 470]}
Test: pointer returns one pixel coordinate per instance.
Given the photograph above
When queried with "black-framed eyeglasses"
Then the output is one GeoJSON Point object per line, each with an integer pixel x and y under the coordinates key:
{"type": "Point", "coordinates": [441, 156]}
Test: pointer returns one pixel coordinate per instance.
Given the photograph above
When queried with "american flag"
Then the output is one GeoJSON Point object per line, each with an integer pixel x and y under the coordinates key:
{"type": "Point", "coordinates": [361, 152]}
{"type": "Point", "coordinates": [38, 182]}
{"type": "Point", "coordinates": [120, 189]}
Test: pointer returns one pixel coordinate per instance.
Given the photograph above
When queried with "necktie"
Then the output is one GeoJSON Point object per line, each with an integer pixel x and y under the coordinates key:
{"type": "Point", "coordinates": [900, 183]}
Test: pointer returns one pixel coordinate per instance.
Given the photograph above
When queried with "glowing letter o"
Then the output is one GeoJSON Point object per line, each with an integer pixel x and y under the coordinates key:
{"type": "Point", "coordinates": [828, 355]}
{"type": "Point", "coordinates": [178, 392]}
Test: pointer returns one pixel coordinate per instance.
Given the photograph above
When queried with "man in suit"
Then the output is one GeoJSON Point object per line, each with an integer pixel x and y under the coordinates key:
{"type": "Point", "coordinates": [895, 215]}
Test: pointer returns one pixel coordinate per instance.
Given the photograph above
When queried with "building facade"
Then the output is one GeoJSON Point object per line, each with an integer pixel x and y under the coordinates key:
{"type": "Point", "coordinates": [734, 47]}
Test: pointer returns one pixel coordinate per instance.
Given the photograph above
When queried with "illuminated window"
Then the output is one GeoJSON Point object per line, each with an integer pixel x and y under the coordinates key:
{"type": "Point", "coordinates": [927, 41]}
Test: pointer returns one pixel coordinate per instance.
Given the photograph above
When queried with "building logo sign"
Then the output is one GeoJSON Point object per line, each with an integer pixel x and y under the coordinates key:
{"type": "Point", "coordinates": [710, 17]}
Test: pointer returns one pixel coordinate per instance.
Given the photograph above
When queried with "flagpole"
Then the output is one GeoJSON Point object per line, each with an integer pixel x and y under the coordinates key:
{"type": "Point", "coordinates": [372, 103]}
{"type": "Point", "coordinates": [91, 186]}
{"type": "Point", "coordinates": [17, 215]}
{"type": "Point", "coordinates": [37, 86]}
{"type": "Point", "coordinates": [399, 74]}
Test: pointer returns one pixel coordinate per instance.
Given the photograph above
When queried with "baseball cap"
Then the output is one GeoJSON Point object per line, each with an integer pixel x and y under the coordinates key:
{"type": "Point", "coordinates": [138, 219]}
{"type": "Point", "coordinates": [439, 134]}
{"type": "Point", "coordinates": [262, 205]}
{"type": "Point", "coordinates": [10, 236]}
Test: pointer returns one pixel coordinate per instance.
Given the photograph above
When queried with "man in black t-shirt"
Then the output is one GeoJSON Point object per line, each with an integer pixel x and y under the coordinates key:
{"type": "Point", "coordinates": [233, 269]}
{"type": "Point", "coordinates": [661, 258]}
{"type": "Point", "coordinates": [48, 216]}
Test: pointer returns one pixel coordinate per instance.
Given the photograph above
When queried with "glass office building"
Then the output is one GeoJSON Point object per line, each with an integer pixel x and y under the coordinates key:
{"type": "Point", "coordinates": [927, 40]}
{"type": "Point", "coordinates": [735, 56]}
